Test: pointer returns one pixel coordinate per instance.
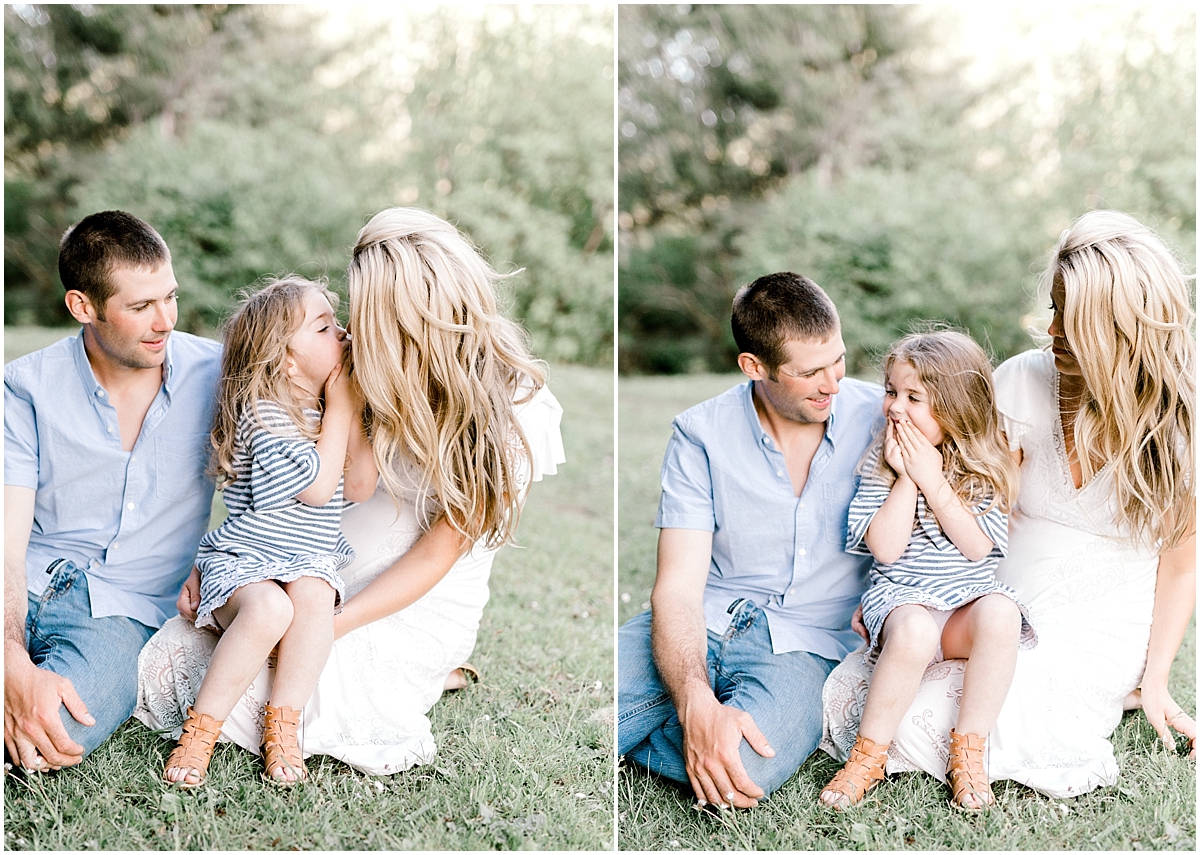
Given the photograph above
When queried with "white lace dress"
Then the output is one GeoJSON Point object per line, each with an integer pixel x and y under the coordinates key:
{"type": "Point", "coordinates": [1090, 593]}
{"type": "Point", "coordinates": [369, 707]}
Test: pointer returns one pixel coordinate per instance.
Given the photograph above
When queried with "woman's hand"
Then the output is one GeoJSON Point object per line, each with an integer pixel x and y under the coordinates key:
{"type": "Point", "coordinates": [1165, 715]}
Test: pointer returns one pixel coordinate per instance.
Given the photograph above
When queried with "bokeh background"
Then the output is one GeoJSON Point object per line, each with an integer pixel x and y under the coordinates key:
{"type": "Point", "coordinates": [918, 162]}
{"type": "Point", "coordinates": [259, 139]}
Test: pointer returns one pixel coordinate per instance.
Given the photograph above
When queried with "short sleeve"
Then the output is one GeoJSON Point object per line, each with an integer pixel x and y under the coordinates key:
{"type": "Point", "coordinates": [1023, 388]}
{"type": "Point", "coordinates": [994, 524]}
{"type": "Point", "coordinates": [687, 492]}
{"type": "Point", "coordinates": [21, 461]}
{"type": "Point", "coordinates": [872, 492]}
{"type": "Point", "coordinates": [541, 421]}
{"type": "Point", "coordinates": [282, 462]}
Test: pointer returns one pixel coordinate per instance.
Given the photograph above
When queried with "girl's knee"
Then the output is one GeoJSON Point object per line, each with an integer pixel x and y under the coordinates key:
{"type": "Point", "coordinates": [309, 592]}
{"type": "Point", "coordinates": [910, 630]}
{"type": "Point", "coordinates": [266, 605]}
{"type": "Point", "coordinates": [996, 614]}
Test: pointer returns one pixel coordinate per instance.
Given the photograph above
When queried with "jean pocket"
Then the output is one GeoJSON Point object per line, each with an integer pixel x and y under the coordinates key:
{"type": "Point", "coordinates": [62, 576]}
{"type": "Point", "coordinates": [179, 465]}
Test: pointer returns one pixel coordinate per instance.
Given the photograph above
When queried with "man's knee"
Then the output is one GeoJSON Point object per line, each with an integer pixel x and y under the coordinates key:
{"type": "Point", "coordinates": [643, 704]}
{"type": "Point", "coordinates": [793, 745]}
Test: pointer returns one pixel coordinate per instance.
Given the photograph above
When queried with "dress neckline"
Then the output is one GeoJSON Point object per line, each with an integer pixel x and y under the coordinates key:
{"type": "Point", "coordinates": [1060, 446]}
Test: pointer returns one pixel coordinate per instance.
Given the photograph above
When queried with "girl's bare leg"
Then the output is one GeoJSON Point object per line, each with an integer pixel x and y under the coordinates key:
{"type": "Point", "coordinates": [909, 639]}
{"type": "Point", "coordinates": [303, 651]}
{"type": "Point", "coordinates": [254, 617]}
{"type": "Point", "coordinates": [986, 633]}
{"type": "Point", "coordinates": [305, 646]}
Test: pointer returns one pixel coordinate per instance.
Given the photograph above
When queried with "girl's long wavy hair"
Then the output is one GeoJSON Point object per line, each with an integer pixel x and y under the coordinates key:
{"type": "Point", "coordinates": [958, 377]}
{"type": "Point", "coordinates": [254, 364]}
{"type": "Point", "coordinates": [440, 368]}
{"type": "Point", "coordinates": [1127, 315]}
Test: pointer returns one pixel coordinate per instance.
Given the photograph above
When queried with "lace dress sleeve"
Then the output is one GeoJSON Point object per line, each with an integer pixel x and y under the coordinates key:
{"type": "Point", "coordinates": [1015, 382]}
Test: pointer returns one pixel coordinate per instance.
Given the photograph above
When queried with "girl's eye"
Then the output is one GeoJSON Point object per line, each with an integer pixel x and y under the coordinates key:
{"type": "Point", "coordinates": [323, 329]}
{"type": "Point", "coordinates": [890, 393]}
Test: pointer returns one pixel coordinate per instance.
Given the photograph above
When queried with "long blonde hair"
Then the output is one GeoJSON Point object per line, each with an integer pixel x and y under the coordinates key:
{"type": "Point", "coordinates": [1127, 316]}
{"type": "Point", "coordinates": [254, 364]}
{"type": "Point", "coordinates": [440, 368]}
{"type": "Point", "coordinates": [958, 377]}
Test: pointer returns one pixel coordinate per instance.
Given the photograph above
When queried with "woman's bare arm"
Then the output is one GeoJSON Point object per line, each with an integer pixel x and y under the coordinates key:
{"type": "Point", "coordinates": [411, 577]}
{"type": "Point", "coordinates": [1174, 601]}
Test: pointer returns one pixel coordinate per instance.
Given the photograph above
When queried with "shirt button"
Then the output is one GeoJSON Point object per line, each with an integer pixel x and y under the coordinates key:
{"type": "Point", "coordinates": [110, 428]}
{"type": "Point", "coordinates": [778, 472]}
{"type": "Point", "coordinates": [802, 552]}
{"type": "Point", "coordinates": [129, 507]}
{"type": "Point", "coordinates": [791, 590]}
{"type": "Point", "coordinates": [116, 546]}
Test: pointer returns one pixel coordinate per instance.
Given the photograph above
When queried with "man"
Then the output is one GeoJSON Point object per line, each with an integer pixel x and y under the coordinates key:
{"type": "Point", "coordinates": [720, 683]}
{"type": "Point", "coordinates": [105, 496]}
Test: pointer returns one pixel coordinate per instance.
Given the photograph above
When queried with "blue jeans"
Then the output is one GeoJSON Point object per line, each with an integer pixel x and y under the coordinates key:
{"type": "Point", "coordinates": [782, 691]}
{"type": "Point", "coordinates": [98, 655]}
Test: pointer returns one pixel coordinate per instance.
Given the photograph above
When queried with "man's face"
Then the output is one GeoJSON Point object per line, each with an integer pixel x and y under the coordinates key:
{"type": "Point", "coordinates": [804, 385]}
{"type": "Point", "coordinates": [138, 317]}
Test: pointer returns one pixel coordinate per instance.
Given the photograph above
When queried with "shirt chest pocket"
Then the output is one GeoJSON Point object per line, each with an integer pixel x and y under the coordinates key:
{"type": "Point", "coordinates": [179, 463]}
{"type": "Point", "coordinates": [837, 510]}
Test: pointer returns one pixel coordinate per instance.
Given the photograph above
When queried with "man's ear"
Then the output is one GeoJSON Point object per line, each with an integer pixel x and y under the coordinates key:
{"type": "Point", "coordinates": [81, 307]}
{"type": "Point", "coordinates": [752, 366]}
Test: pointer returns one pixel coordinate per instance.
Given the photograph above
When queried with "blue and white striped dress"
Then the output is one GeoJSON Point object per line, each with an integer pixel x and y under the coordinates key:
{"type": "Point", "coordinates": [931, 571]}
{"type": "Point", "coordinates": [269, 534]}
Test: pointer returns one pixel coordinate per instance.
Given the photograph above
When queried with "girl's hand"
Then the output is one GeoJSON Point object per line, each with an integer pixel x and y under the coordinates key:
{"type": "Point", "coordinates": [1165, 715]}
{"type": "Point", "coordinates": [891, 450]}
{"type": "Point", "coordinates": [922, 461]}
{"type": "Point", "coordinates": [337, 388]}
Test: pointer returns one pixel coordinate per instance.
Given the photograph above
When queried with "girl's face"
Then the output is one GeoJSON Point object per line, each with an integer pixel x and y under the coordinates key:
{"type": "Point", "coordinates": [905, 399]}
{"type": "Point", "coordinates": [317, 347]}
{"type": "Point", "coordinates": [1064, 356]}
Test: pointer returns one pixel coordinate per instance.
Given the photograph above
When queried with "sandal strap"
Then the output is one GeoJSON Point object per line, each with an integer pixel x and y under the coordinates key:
{"type": "Point", "coordinates": [965, 770]}
{"type": "Point", "coordinates": [865, 768]}
{"type": "Point", "coordinates": [281, 749]}
{"type": "Point", "coordinates": [195, 746]}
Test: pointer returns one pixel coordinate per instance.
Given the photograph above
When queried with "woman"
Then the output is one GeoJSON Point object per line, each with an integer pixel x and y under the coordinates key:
{"type": "Point", "coordinates": [1102, 540]}
{"type": "Point", "coordinates": [461, 422]}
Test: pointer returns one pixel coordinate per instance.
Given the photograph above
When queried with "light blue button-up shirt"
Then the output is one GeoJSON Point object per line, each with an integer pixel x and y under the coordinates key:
{"type": "Point", "coordinates": [131, 520]}
{"type": "Point", "coordinates": [722, 473]}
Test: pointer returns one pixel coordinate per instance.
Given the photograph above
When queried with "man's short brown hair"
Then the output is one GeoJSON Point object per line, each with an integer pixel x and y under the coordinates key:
{"type": "Point", "coordinates": [95, 246]}
{"type": "Point", "coordinates": [777, 308]}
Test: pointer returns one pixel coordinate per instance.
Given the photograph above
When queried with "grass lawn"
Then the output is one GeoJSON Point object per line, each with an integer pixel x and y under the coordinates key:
{"type": "Point", "coordinates": [1152, 807]}
{"type": "Point", "coordinates": [524, 758]}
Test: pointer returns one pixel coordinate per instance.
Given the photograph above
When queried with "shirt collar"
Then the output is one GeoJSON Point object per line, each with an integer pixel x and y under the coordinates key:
{"type": "Point", "coordinates": [92, 386]}
{"type": "Point", "coordinates": [760, 432]}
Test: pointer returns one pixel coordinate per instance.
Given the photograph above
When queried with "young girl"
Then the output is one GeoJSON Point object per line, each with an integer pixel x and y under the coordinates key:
{"type": "Point", "coordinates": [932, 509]}
{"type": "Point", "coordinates": [271, 573]}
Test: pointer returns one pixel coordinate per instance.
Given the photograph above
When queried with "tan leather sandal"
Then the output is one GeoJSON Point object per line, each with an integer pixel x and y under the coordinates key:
{"type": "Point", "coordinates": [965, 771]}
{"type": "Point", "coordinates": [194, 749]}
{"type": "Point", "coordinates": [280, 748]}
{"type": "Point", "coordinates": [862, 771]}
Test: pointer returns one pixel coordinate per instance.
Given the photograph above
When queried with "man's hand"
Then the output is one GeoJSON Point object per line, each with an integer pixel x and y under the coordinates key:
{"type": "Point", "coordinates": [189, 596]}
{"type": "Point", "coordinates": [712, 736]}
{"type": "Point", "coordinates": [856, 624]}
{"type": "Point", "coordinates": [33, 731]}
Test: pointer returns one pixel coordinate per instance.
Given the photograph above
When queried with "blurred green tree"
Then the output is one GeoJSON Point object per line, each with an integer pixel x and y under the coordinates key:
{"type": "Point", "coordinates": [258, 141]}
{"type": "Point", "coordinates": [846, 143]}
